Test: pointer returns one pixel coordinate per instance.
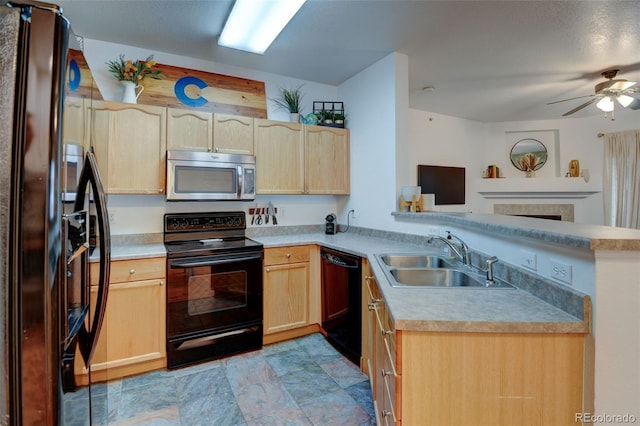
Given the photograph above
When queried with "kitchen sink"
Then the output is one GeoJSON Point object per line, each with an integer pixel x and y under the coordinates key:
{"type": "Point", "coordinates": [437, 277]}
{"type": "Point", "coordinates": [413, 261]}
{"type": "Point", "coordinates": [416, 270]}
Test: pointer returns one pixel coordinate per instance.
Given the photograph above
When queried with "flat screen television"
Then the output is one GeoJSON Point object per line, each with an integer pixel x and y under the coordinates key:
{"type": "Point", "coordinates": [447, 183]}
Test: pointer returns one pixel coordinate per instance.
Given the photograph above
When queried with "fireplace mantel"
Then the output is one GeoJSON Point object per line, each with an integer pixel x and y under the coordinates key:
{"type": "Point", "coordinates": [537, 188]}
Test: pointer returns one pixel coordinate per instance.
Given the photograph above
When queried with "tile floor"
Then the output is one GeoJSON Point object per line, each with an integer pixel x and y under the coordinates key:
{"type": "Point", "coordinates": [299, 382]}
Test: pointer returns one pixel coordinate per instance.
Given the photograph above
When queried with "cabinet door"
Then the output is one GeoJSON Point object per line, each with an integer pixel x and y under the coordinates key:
{"type": "Point", "coordinates": [75, 128]}
{"type": "Point", "coordinates": [286, 297]}
{"type": "Point", "coordinates": [189, 130]}
{"type": "Point", "coordinates": [279, 150]}
{"type": "Point", "coordinates": [232, 134]}
{"type": "Point", "coordinates": [132, 140]}
{"type": "Point", "coordinates": [133, 333]}
{"type": "Point", "coordinates": [327, 160]}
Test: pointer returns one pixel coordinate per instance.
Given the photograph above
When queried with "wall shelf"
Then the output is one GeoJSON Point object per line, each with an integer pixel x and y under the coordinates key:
{"type": "Point", "coordinates": [537, 188]}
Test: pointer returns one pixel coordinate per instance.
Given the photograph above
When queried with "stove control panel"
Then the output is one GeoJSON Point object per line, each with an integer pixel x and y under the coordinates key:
{"type": "Point", "coordinates": [204, 221]}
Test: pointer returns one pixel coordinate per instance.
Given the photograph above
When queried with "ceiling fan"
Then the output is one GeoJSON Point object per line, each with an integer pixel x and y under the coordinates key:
{"type": "Point", "coordinates": [608, 91]}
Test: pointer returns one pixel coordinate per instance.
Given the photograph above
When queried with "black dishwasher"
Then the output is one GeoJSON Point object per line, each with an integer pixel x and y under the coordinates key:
{"type": "Point", "coordinates": [341, 301]}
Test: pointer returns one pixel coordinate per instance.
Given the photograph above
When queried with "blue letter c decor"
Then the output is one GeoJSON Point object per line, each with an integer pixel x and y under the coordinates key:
{"type": "Point", "coordinates": [180, 87]}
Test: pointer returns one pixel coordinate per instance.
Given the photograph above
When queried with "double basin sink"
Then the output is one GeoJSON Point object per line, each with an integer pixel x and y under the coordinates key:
{"type": "Point", "coordinates": [424, 271]}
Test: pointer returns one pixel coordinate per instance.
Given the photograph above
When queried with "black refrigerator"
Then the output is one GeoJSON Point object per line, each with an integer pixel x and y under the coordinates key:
{"type": "Point", "coordinates": [50, 316]}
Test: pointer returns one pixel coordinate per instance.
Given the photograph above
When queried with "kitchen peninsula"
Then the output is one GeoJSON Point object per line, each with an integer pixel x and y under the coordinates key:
{"type": "Point", "coordinates": [541, 308]}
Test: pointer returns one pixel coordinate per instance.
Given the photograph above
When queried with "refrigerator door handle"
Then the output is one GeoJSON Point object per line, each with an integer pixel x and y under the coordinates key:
{"type": "Point", "coordinates": [88, 337]}
{"type": "Point", "coordinates": [75, 246]}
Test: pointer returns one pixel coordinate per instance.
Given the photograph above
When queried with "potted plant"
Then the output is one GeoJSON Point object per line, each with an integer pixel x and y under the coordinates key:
{"type": "Point", "coordinates": [339, 118]}
{"type": "Point", "coordinates": [325, 116]}
{"type": "Point", "coordinates": [130, 75]}
{"type": "Point", "coordinates": [290, 100]}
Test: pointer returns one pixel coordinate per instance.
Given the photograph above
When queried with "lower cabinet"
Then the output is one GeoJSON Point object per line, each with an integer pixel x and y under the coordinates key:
{"type": "Point", "coordinates": [291, 292]}
{"type": "Point", "coordinates": [466, 378]}
{"type": "Point", "coordinates": [132, 338]}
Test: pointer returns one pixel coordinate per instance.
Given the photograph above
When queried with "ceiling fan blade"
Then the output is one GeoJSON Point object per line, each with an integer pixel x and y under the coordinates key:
{"type": "Point", "coordinates": [635, 104]}
{"type": "Point", "coordinates": [570, 99]}
{"type": "Point", "coordinates": [584, 105]}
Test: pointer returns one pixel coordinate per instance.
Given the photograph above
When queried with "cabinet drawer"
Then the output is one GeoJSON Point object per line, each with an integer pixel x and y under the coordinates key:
{"type": "Point", "coordinates": [123, 271]}
{"type": "Point", "coordinates": [283, 255]}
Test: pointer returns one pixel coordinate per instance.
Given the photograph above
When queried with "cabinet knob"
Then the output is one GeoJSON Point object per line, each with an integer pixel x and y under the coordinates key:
{"type": "Point", "coordinates": [386, 413]}
{"type": "Point", "coordinates": [288, 255]}
{"type": "Point", "coordinates": [386, 332]}
{"type": "Point", "coordinates": [132, 271]}
{"type": "Point", "coordinates": [371, 306]}
{"type": "Point", "coordinates": [217, 150]}
{"type": "Point", "coordinates": [268, 269]}
{"type": "Point", "coordinates": [385, 373]}
{"type": "Point", "coordinates": [161, 282]}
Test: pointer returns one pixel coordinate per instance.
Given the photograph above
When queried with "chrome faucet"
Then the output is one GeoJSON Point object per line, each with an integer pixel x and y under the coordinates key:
{"type": "Point", "coordinates": [489, 262]}
{"type": "Point", "coordinates": [462, 254]}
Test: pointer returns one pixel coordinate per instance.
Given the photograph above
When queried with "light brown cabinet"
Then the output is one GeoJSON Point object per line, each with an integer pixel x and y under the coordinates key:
{"type": "Point", "coordinates": [75, 127]}
{"type": "Point", "coordinates": [192, 130]}
{"type": "Point", "coordinates": [189, 130]}
{"type": "Point", "coordinates": [434, 378]}
{"type": "Point", "coordinates": [297, 159]}
{"type": "Point", "coordinates": [279, 150]}
{"type": "Point", "coordinates": [232, 134]}
{"type": "Point", "coordinates": [130, 145]}
{"type": "Point", "coordinates": [327, 160]}
{"type": "Point", "coordinates": [291, 292]}
{"type": "Point", "coordinates": [132, 338]}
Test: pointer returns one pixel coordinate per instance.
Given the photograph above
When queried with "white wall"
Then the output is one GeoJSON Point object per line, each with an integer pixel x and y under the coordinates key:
{"type": "Point", "coordinates": [377, 99]}
{"type": "Point", "coordinates": [450, 141]}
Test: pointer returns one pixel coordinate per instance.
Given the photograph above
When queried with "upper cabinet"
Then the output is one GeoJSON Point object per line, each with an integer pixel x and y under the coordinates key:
{"type": "Point", "coordinates": [296, 159]}
{"type": "Point", "coordinates": [327, 160]}
{"type": "Point", "coordinates": [232, 134]}
{"type": "Point", "coordinates": [130, 144]}
{"type": "Point", "coordinates": [191, 130]}
{"type": "Point", "coordinates": [75, 128]}
{"type": "Point", "coordinates": [279, 150]}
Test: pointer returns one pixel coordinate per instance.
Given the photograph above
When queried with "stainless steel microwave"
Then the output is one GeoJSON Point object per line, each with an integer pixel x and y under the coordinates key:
{"type": "Point", "coordinates": [72, 160]}
{"type": "Point", "coordinates": [210, 176]}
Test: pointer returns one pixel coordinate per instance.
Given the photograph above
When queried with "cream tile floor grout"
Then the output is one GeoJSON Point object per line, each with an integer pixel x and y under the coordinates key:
{"type": "Point", "coordinates": [304, 381]}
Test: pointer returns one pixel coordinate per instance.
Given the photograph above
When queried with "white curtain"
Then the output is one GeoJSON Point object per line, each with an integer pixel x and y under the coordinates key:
{"type": "Point", "coordinates": [621, 188]}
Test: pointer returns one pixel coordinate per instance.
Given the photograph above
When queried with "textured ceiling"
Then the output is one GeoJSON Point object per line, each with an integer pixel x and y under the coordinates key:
{"type": "Point", "coordinates": [488, 61]}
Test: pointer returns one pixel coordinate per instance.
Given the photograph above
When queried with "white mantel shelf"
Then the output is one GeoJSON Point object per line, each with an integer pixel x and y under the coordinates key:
{"type": "Point", "coordinates": [537, 188]}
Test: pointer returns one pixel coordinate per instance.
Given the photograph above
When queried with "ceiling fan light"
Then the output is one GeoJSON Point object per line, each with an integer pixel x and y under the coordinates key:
{"type": "Point", "coordinates": [625, 100]}
{"type": "Point", "coordinates": [605, 104]}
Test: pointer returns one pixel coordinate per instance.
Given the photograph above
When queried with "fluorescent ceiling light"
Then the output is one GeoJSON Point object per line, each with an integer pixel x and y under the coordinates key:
{"type": "Point", "coordinates": [254, 24]}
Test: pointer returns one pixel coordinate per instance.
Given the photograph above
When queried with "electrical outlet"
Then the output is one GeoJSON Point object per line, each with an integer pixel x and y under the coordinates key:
{"type": "Point", "coordinates": [352, 212]}
{"type": "Point", "coordinates": [560, 271]}
{"type": "Point", "coordinates": [528, 260]}
{"type": "Point", "coordinates": [112, 216]}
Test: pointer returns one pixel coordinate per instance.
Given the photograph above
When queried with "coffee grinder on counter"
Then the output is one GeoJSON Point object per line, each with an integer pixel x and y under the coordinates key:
{"type": "Point", "coordinates": [330, 226]}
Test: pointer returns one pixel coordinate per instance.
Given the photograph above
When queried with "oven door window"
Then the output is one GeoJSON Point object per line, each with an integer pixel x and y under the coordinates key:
{"type": "Point", "coordinates": [212, 292]}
